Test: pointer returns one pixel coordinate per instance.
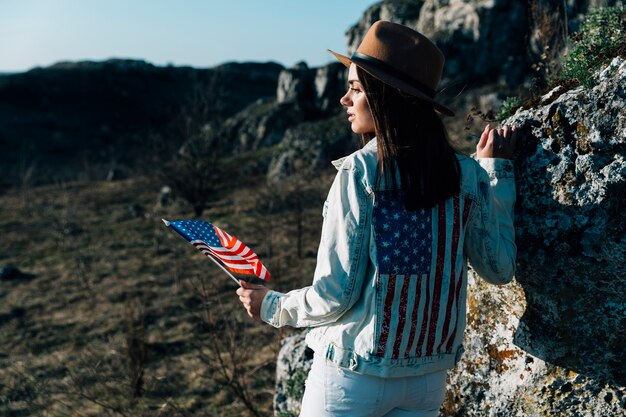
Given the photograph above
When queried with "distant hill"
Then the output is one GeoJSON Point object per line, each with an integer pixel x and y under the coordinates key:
{"type": "Point", "coordinates": [88, 118]}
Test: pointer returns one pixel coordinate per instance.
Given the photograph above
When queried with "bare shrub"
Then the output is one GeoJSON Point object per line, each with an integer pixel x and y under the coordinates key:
{"type": "Point", "coordinates": [102, 377]}
{"type": "Point", "coordinates": [195, 173]}
{"type": "Point", "coordinates": [549, 20]}
{"type": "Point", "coordinates": [135, 346]}
{"type": "Point", "coordinates": [228, 350]}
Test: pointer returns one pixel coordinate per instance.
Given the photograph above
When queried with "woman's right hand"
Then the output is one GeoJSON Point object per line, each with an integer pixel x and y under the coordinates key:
{"type": "Point", "coordinates": [496, 143]}
{"type": "Point", "coordinates": [251, 296]}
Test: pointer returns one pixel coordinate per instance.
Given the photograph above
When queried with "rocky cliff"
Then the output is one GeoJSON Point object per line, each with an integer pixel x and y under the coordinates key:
{"type": "Point", "coordinates": [483, 40]}
{"type": "Point", "coordinates": [471, 34]}
{"type": "Point", "coordinates": [553, 342]}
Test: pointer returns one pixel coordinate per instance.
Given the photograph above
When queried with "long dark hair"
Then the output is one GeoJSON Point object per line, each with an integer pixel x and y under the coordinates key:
{"type": "Point", "coordinates": [412, 138]}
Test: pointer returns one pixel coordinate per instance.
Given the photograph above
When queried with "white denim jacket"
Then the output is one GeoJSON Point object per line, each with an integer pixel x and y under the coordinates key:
{"type": "Point", "coordinates": [389, 292]}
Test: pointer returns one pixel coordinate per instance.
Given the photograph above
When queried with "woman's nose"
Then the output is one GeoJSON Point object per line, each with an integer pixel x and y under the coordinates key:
{"type": "Point", "coordinates": [345, 100]}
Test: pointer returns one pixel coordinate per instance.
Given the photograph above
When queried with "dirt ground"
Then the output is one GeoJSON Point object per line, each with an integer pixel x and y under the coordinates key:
{"type": "Point", "coordinates": [114, 314]}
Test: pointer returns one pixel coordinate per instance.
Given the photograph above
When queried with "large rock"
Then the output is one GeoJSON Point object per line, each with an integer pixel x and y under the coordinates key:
{"type": "Point", "coordinates": [295, 85]}
{"type": "Point", "coordinates": [316, 90]}
{"type": "Point", "coordinates": [310, 147]}
{"type": "Point", "coordinates": [566, 354]}
{"type": "Point", "coordinates": [294, 362]}
{"type": "Point", "coordinates": [572, 227]}
{"type": "Point", "coordinates": [259, 125]}
{"type": "Point", "coordinates": [331, 82]}
{"type": "Point", "coordinates": [303, 95]}
{"type": "Point", "coordinates": [553, 342]}
{"type": "Point", "coordinates": [482, 39]}
{"type": "Point", "coordinates": [496, 377]}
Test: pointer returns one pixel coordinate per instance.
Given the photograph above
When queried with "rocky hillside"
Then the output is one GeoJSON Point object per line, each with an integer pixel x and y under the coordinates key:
{"type": "Point", "coordinates": [71, 120]}
{"type": "Point", "coordinates": [110, 119]}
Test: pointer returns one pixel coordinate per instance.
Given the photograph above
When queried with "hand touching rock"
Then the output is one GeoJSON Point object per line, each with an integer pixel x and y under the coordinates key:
{"type": "Point", "coordinates": [497, 143]}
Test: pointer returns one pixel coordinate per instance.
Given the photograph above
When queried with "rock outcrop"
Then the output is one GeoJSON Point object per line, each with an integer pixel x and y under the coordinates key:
{"type": "Point", "coordinates": [292, 368]}
{"type": "Point", "coordinates": [303, 95]}
{"type": "Point", "coordinates": [330, 84]}
{"type": "Point", "coordinates": [309, 147]}
{"type": "Point", "coordinates": [471, 34]}
{"type": "Point", "coordinates": [261, 124]}
{"type": "Point", "coordinates": [553, 341]}
{"type": "Point", "coordinates": [484, 40]}
{"type": "Point", "coordinates": [295, 85]}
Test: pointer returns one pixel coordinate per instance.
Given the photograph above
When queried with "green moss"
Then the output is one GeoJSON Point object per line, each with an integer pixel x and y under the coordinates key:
{"type": "Point", "coordinates": [295, 385]}
{"type": "Point", "coordinates": [285, 414]}
{"type": "Point", "coordinates": [508, 107]}
{"type": "Point", "coordinates": [600, 39]}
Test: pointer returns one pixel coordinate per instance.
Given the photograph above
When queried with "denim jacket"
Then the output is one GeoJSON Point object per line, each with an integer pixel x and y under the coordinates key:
{"type": "Point", "coordinates": [389, 292]}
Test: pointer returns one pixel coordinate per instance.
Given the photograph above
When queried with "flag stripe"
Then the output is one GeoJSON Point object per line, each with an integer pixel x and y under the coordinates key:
{"type": "Point", "coordinates": [418, 291]}
{"type": "Point", "coordinates": [449, 344]}
{"type": "Point", "coordinates": [384, 334]}
{"type": "Point", "coordinates": [455, 241]}
{"type": "Point", "coordinates": [402, 315]}
{"type": "Point", "coordinates": [227, 259]}
{"type": "Point", "coordinates": [243, 269]}
{"type": "Point", "coordinates": [420, 340]}
{"type": "Point", "coordinates": [441, 252]}
{"type": "Point", "coordinates": [453, 334]}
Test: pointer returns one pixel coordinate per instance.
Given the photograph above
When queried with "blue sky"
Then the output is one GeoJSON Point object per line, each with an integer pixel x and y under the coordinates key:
{"type": "Point", "coordinates": [184, 32]}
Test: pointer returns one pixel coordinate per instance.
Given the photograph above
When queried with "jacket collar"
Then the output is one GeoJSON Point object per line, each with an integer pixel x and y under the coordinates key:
{"type": "Point", "coordinates": [337, 163]}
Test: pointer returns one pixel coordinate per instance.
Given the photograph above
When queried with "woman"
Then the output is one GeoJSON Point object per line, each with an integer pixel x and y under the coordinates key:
{"type": "Point", "coordinates": [403, 216]}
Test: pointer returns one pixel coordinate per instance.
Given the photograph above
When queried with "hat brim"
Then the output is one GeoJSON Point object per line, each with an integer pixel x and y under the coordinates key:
{"type": "Point", "coordinates": [393, 81]}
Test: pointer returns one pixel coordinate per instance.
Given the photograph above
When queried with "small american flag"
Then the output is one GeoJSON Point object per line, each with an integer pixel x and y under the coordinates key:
{"type": "Point", "coordinates": [216, 243]}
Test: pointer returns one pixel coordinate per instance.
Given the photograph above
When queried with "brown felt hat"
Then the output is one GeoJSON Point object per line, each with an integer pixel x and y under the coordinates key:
{"type": "Point", "coordinates": [401, 57]}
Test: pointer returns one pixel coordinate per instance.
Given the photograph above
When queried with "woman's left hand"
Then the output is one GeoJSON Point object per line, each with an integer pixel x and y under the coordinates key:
{"type": "Point", "coordinates": [251, 296]}
{"type": "Point", "coordinates": [497, 143]}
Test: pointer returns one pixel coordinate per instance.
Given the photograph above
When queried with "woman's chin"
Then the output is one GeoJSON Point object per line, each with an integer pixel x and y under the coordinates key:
{"type": "Point", "coordinates": [360, 131]}
{"type": "Point", "coordinates": [356, 129]}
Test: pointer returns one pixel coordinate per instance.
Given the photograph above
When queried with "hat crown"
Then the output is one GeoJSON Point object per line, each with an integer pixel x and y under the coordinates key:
{"type": "Point", "coordinates": [402, 58]}
{"type": "Point", "coordinates": [405, 50]}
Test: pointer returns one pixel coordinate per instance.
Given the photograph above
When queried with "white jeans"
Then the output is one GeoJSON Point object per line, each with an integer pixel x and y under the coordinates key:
{"type": "Point", "coordinates": [332, 391]}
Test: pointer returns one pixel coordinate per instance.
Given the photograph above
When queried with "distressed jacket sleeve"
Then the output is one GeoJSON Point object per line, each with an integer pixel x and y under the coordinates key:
{"type": "Point", "coordinates": [490, 244]}
{"type": "Point", "coordinates": [341, 261]}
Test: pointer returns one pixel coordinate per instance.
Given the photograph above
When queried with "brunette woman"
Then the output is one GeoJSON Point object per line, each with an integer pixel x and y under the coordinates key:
{"type": "Point", "coordinates": [404, 215]}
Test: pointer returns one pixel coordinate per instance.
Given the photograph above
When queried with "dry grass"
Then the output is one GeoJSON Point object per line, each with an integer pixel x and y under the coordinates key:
{"type": "Point", "coordinates": [93, 249]}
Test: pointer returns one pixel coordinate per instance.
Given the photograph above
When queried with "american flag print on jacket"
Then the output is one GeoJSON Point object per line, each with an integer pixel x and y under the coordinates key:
{"type": "Point", "coordinates": [420, 274]}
